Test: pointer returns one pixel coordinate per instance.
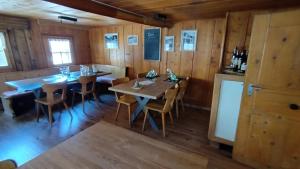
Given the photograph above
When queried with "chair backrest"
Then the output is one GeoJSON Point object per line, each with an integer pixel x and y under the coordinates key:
{"type": "Point", "coordinates": [85, 81]}
{"type": "Point", "coordinates": [182, 87]}
{"type": "Point", "coordinates": [119, 81]}
{"type": "Point", "coordinates": [141, 75]}
{"type": "Point", "coordinates": [8, 164]}
{"type": "Point", "coordinates": [170, 96]}
{"type": "Point", "coordinates": [51, 88]}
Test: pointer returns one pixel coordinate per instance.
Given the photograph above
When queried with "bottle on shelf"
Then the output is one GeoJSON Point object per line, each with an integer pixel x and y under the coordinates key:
{"type": "Point", "coordinates": [232, 65]}
{"type": "Point", "coordinates": [244, 61]}
{"type": "Point", "coordinates": [236, 61]}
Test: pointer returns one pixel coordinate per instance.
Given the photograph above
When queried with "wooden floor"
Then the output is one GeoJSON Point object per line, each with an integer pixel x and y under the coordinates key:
{"type": "Point", "coordinates": [22, 139]}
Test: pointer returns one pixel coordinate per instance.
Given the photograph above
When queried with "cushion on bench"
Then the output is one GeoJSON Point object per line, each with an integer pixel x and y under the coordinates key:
{"type": "Point", "coordinates": [106, 79]}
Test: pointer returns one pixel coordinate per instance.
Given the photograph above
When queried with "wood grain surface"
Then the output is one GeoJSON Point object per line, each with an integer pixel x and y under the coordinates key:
{"type": "Point", "coordinates": [107, 146]}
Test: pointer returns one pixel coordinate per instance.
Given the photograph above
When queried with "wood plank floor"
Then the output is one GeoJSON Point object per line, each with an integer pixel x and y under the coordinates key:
{"type": "Point", "coordinates": [22, 139]}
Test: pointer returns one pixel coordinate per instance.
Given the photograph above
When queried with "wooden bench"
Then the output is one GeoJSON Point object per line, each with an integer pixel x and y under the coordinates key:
{"type": "Point", "coordinates": [8, 94]}
{"type": "Point", "coordinates": [116, 72]}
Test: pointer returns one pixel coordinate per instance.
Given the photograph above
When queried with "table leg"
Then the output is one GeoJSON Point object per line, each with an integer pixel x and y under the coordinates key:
{"type": "Point", "coordinates": [141, 104]}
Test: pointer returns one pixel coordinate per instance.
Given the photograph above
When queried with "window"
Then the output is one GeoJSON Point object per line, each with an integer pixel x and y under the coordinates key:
{"type": "Point", "coordinates": [60, 49]}
{"type": "Point", "coordinates": [3, 51]}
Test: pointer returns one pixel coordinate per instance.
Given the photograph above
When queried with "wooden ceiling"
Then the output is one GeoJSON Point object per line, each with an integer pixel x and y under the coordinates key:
{"type": "Point", "coordinates": [45, 10]}
{"type": "Point", "coordinates": [108, 12]}
{"type": "Point", "coordinates": [178, 10]}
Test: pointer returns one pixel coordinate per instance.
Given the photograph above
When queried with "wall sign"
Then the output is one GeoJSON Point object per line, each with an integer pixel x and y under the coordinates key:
{"type": "Point", "coordinates": [152, 44]}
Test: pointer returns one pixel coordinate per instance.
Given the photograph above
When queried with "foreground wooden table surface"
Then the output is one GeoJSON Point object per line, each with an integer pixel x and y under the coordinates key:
{"type": "Point", "coordinates": [106, 146]}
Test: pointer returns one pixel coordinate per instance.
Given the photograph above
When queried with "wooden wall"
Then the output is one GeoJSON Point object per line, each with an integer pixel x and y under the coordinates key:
{"type": "Point", "coordinates": [40, 29]}
{"type": "Point", "coordinates": [238, 33]}
{"type": "Point", "coordinates": [28, 50]}
{"type": "Point", "coordinates": [201, 64]}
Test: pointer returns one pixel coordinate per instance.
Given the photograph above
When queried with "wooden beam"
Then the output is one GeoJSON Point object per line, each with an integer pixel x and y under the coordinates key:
{"type": "Point", "coordinates": [109, 11]}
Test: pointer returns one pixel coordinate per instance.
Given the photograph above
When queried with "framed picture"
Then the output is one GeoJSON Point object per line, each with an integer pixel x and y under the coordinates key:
{"type": "Point", "coordinates": [169, 43]}
{"type": "Point", "coordinates": [132, 40]}
{"type": "Point", "coordinates": [188, 40]}
{"type": "Point", "coordinates": [111, 40]}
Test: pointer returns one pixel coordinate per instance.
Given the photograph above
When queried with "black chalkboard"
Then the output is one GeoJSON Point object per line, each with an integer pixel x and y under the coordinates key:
{"type": "Point", "coordinates": [152, 44]}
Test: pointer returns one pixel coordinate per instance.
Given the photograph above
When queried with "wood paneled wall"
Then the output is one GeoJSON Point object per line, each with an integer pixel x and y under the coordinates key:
{"type": "Point", "coordinates": [201, 64]}
{"type": "Point", "coordinates": [28, 51]}
{"type": "Point", "coordinates": [238, 33]}
{"type": "Point", "coordinates": [79, 34]}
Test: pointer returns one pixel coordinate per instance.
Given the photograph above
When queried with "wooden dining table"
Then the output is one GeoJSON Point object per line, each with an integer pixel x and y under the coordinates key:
{"type": "Point", "coordinates": [34, 85]}
{"type": "Point", "coordinates": [106, 146]}
{"type": "Point", "coordinates": [151, 89]}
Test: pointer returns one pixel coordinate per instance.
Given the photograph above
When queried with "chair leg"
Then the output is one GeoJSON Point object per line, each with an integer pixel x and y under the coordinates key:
{"type": "Point", "coordinates": [177, 109]}
{"type": "Point", "coordinates": [82, 100]}
{"type": "Point", "coordinates": [182, 106]}
{"type": "Point", "coordinates": [163, 115]}
{"type": "Point", "coordinates": [67, 108]}
{"type": "Point", "coordinates": [37, 107]}
{"type": "Point", "coordinates": [50, 115]}
{"type": "Point", "coordinates": [73, 97]}
{"type": "Point", "coordinates": [129, 115]}
{"type": "Point", "coordinates": [96, 99]}
{"type": "Point", "coordinates": [117, 113]}
{"type": "Point", "coordinates": [171, 117]}
{"type": "Point", "coordinates": [145, 119]}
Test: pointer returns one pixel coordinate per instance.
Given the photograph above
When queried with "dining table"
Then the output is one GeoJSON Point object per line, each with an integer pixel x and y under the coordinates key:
{"type": "Point", "coordinates": [107, 146]}
{"type": "Point", "coordinates": [149, 89]}
{"type": "Point", "coordinates": [34, 85]}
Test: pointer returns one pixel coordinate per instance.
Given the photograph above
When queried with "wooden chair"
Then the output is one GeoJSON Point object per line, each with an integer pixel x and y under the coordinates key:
{"type": "Point", "coordinates": [127, 100]}
{"type": "Point", "coordinates": [163, 108]}
{"type": "Point", "coordinates": [141, 75]}
{"type": "Point", "coordinates": [88, 86]}
{"type": "Point", "coordinates": [52, 98]}
{"type": "Point", "coordinates": [182, 89]}
{"type": "Point", "coordinates": [8, 164]}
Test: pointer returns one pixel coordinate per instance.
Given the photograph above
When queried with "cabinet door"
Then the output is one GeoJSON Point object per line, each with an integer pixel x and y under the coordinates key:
{"type": "Point", "coordinates": [225, 108]}
{"type": "Point", "coordinates": [228, 109]}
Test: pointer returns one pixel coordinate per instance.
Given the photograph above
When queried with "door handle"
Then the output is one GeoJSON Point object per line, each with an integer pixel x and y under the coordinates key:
{"type": "Point", "coordinates": [294, 106]}
{"type": "Point", "coordinates": [252, 87]}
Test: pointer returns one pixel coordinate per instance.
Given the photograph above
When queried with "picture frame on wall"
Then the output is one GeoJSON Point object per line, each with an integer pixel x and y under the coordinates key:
{"type": "Point", "coordinates": [132, 40]}
{"type": "Point", "coordinates": [111, 40]}
{"type": "Point", "coordinates": [188, 40]}
{"type": "Point", "coordinates": [169, 44]}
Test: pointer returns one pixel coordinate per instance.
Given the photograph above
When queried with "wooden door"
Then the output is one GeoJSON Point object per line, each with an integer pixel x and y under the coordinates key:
{"type": "Point", "coordinates": [268, 133]}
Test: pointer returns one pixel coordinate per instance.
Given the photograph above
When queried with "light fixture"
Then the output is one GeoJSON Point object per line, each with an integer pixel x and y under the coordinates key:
{"type": "Point", "coordinates": [67, 18]}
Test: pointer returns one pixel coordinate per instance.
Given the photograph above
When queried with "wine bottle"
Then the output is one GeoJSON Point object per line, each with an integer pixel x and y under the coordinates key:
{"type": "Point", "coordinates": [233, 58]}
{"type": "Point", "coordinates": [244, 61]}
{"type": "Point", "coordinates": [236, 60]}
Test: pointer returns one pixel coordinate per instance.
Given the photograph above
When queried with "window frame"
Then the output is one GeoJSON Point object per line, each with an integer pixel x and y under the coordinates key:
{"type": "Point", "coordinates": [8, 53]}
{"type": "Point", "coordinates": [50, 57]}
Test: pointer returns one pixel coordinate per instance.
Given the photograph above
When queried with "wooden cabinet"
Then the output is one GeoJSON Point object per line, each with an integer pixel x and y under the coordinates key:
{"type": "Point", "coordinates": [225, 109]}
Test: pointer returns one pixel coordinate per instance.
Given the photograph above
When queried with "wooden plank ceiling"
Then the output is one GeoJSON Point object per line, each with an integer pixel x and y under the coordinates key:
{"type": "Point", "coordinates": [39, 9]}
{"type": "Point", "coordinates": [108, 12]}
{"type": "Point", "coordinates": [178, 10]}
